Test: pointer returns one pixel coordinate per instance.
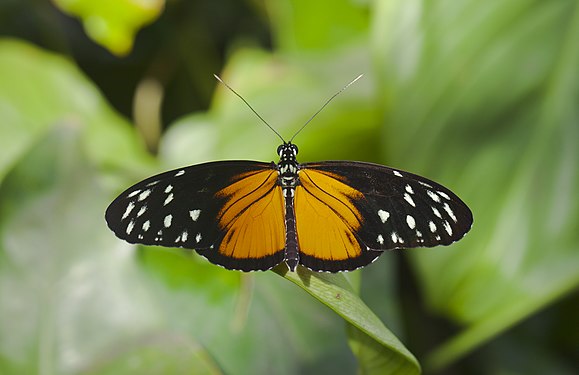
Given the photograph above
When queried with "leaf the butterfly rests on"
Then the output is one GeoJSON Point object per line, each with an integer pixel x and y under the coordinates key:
{"type": "Point", "coordinates": [327, 216]}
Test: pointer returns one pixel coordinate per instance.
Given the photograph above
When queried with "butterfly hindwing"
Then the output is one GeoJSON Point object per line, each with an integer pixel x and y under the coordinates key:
{"type": "Point", "coordinates": [394, 209]}
{"type": "Point", "coordinates": [220, 209]}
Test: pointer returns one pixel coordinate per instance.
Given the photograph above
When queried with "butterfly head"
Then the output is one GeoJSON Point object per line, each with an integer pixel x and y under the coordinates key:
{"type": "Point", "coordinates": [288, 167]}
{"type": "Point", "coordinates": [287, 152]}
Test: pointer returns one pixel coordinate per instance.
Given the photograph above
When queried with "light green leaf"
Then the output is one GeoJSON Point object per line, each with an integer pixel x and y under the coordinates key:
{"type": "Point", "coordinates": [113, 23]}
{"type": "Point", "coordinates": [41, 90]}
{"type": "Point", "coordinates": [302, 25]}
{"type": "Point", "coordinates": [483, 96]}
{"type": "Point", "coordinates": [377, 348]}
{"type": "Point", "coordinates": [69, 291]}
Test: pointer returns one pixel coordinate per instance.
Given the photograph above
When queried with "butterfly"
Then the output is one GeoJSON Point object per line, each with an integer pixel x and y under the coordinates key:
{"type": "Point", "coordinates": [327, 216]}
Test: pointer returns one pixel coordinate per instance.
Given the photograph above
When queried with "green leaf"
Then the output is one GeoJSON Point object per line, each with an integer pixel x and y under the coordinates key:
{"type": "Point", "coordinates": [113, 23]}
{"type": "Point", "coordinates": [310, 26]}
{"type": "Point", "coordinates": [69, 292]}
{"type": "Point", "coordinates": [166, 354]}
{"type": "Point", "coordinates": [377, 348]}
{"type": "Point", "coordinates": [483, 97]}
{"type": "Point", "coordinates": [41, 90]}
{"type": "Point", "coordinates": [249, 323]}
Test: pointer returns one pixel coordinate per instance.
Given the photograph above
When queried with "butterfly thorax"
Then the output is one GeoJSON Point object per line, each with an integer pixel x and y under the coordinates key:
{"type": "Point", "coordinates": [288, 167]}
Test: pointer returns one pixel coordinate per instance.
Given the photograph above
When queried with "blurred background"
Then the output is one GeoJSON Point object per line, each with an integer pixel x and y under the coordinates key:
{"type": "Point", "coordinates": [482, 97]}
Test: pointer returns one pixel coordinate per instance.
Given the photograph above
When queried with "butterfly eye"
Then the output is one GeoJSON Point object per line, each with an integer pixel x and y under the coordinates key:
{"type": "Point", "coordinates": [294, 149]}
{"type": "Point", "coordinates": [280, 149]}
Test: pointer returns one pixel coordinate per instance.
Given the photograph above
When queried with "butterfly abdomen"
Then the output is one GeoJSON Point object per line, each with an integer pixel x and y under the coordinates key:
{"type": "Point", "coordinates": [291, 239]}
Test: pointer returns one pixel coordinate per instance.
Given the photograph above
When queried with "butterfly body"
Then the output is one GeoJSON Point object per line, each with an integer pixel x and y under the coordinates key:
{"type": "Point", "coordinates": [288, 179]}
{"type": "Point", "coordinates": [327, 216]}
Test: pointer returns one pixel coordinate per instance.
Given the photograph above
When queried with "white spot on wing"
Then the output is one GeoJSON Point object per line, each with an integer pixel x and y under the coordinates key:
{"type": "Point", "coordinates": [146, 225]}
{"type": "Point", "coordinates": [168, 199]}
{"type": "Point", "coordinates": [380, 239]}
{"type": "Point", "coordinates": [436, 212]}
{"type": "Point", "coordinates": [409, 199]}
{"type": "Point", "coordinates": [410, 221]}
{"type": "Point", "coordinates": [167, 220]}
{"type": "Point", "coordinates": [130, 207]}
{"type": "Point", "coordinates": [142, 210]}
{"type": "Point", "coordinates": [433, 196]}
{"type": "Point", "coordinates": [449, 212]}
{"type": "Point", "coordinates": [168, 189]}
{"type": "Point", "coordinates": [194, 214]}
{"type": "Point", "coordinates": [418, 233]}
{"type": "Point", "coordinates": [447, 228]}
{"type": "Point", "coordinates": [130, 226]}
{"type": "Point", "coordinates": [409, 189]}
{"type": "Point", "coordinates": [180, 173]}
{"type": "Point", "coordinates": [384, 215]}
{"type": "Point", "coordinates": [396, 173]}
{"type": "Point", "coordinates": [443, 194]}
{"type": "Point", "coordinates": [198, 238]}
{"type": "Point", "coordinates": [396, 238]}
{"type": "Point", "coordinates": [144, 194]}
{"type": "Point", "coordinates": [432, 226]}
{"type": "Point", "coordinates": [184, 236]}
{"type": "Point", "coordinates": [133, 193]}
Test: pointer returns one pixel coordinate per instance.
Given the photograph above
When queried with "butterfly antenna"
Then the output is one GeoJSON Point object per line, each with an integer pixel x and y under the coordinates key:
{"type": "Point", "coordinates": [325, 104]}
{"type": "Point", "coordinates": [250, 107]}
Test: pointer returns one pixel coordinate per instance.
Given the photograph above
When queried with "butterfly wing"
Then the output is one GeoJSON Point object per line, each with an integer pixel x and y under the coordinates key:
{"type": "Point", "coordinates": [366, 208]}
{"type": "Point", "coordinates": [327, 222]}
{"type": "Point", "coordinates": [231, 212]}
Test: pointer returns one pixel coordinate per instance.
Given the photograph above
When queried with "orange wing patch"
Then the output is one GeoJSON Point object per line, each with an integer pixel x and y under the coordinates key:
{"type": "Point", "coordinates": [326, 218]}
{"type": "Point", "coordinates": [254, 208]}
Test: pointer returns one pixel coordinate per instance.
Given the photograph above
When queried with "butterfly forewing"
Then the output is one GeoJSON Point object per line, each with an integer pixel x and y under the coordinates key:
{"type": "Point", "coordinates": [192, 208]}
{"type": "Point", "coordinates": [397, 209]}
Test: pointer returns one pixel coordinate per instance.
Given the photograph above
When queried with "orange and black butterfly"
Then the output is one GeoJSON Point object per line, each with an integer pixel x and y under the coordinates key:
{"type": "Point", "coordinates": [327, 216]}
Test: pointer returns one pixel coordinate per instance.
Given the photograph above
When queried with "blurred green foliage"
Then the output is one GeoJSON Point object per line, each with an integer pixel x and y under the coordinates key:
{"type": "Point", "coordinates": [481, 96]}
{"type": "Point", "coordinates": [113, 23]}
